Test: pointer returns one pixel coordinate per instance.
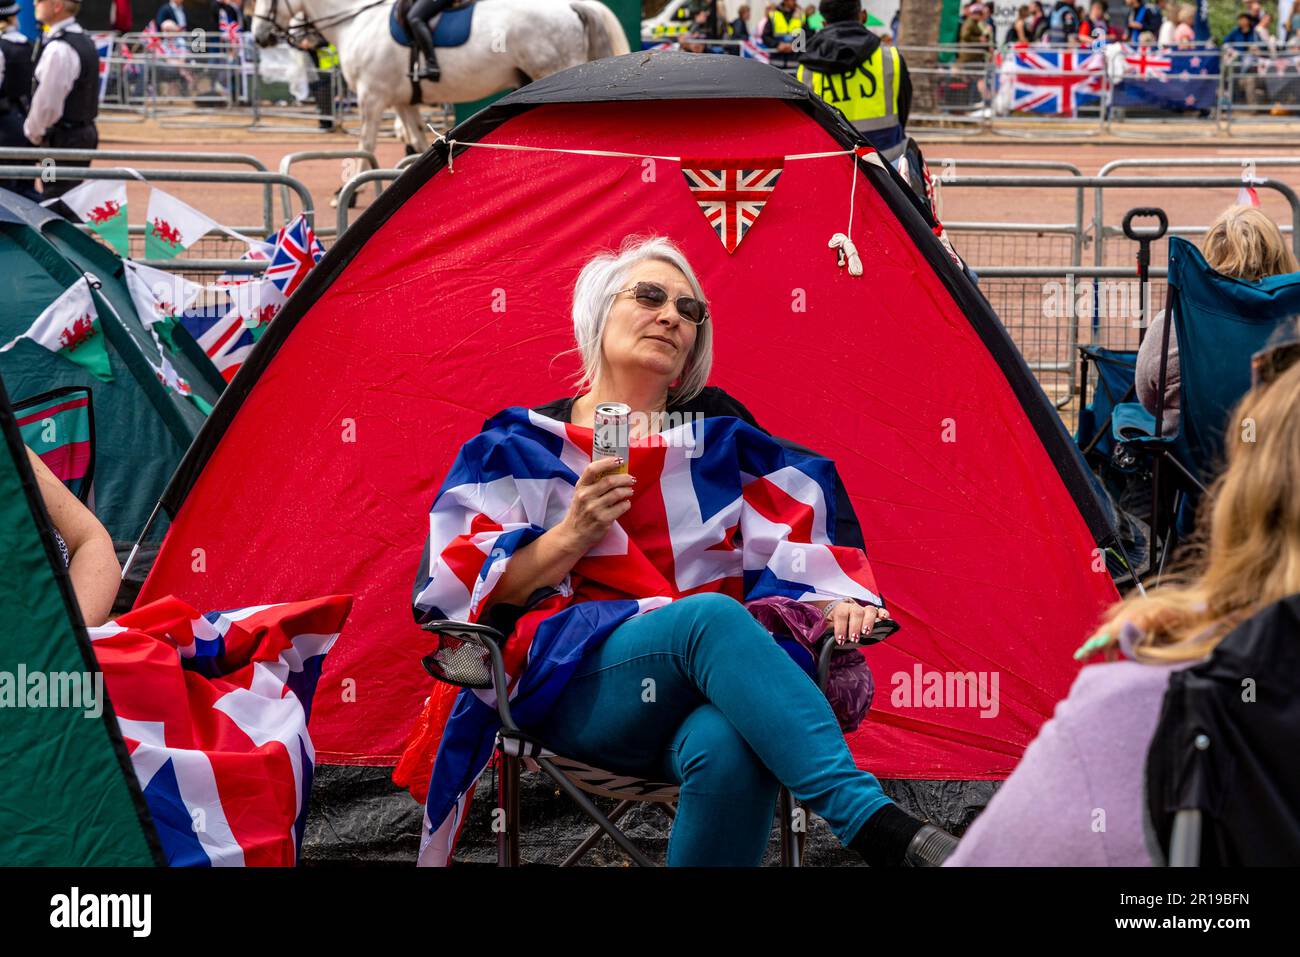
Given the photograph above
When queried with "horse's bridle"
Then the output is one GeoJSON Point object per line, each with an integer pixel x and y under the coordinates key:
{"type": "Point", "coordinates": [282, 33]}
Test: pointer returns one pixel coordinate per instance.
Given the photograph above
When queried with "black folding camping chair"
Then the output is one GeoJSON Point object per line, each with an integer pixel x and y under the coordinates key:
{"type": "Point", "coordinates": [468, 655]}
{"type": "Point", "coordinates": [1222, 780]}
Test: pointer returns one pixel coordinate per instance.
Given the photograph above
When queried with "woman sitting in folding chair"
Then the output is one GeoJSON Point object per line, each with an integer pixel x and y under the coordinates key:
{"type": "Point", "coordinates": [1241, 243]}
{"type": "Point", "coordinates": [1076, 798]}
{"type": "Point", "coordinates": [622, 587]}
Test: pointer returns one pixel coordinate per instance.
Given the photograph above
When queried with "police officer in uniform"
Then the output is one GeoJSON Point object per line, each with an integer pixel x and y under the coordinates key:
{"type": "Point", "coordinates": [848, 67]}
{"type": "Point", "coordinates": [15, 89]}
{"type": "Point", "coordinates": [782, 30]}
{"type": "Point", "coordinates": [325, 57]}
{"type": "Point", "coordinates": [65, 91]}
{"type": "Point", "coordinates": [680, 22]}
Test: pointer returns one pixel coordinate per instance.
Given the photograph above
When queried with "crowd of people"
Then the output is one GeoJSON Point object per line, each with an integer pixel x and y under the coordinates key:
{"type": "Point", "coordinates": [1167, 24]}
{"type": "Point", "coordinates": [707, 28]}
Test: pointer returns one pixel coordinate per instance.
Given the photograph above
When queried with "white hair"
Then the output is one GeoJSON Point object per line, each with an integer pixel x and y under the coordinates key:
{"type": "Point", "coordinates": [593, 295]}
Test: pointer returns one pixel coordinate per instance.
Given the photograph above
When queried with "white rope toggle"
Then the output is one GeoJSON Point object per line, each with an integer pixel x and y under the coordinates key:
{"type": "Point", "coordinates": [847, 253]}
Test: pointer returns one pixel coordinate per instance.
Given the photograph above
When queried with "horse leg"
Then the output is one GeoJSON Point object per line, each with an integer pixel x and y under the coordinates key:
{"type": "Point", "coordinates": [372, 112]}
{"type": "Point", "coordinates": [414, 132]}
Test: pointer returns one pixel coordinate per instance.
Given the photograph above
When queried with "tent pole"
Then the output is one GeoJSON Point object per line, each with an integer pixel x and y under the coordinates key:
{"type": "Point", "coordinates": [135, 549]}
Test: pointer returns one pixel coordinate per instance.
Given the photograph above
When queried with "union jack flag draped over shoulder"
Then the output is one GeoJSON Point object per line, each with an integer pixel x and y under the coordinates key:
{"type": "Point", "coordinates": [732, 193]}
{"type": "Point", "coordinates": [719, 506]}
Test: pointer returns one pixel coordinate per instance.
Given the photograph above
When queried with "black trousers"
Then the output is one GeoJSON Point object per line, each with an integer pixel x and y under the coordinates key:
{"type": "Point", "coordinates": [11, 134]}
{"type": "Point", "coordinates": [426, 9]}
{"type": "Point", "coordinates": [85, 137]}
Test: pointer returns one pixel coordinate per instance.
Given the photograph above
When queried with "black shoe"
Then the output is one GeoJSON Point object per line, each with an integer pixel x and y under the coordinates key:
{"type": "Point", "coordinates": [930, 847]}
{"type": "Point", "coordinates": [887, 837]}
{"type": "Point", "coordinates": [431, 72]}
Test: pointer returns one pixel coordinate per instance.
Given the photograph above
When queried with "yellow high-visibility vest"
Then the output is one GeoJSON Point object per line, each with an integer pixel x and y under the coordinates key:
{"type": "Point", "coordinates": [327, 58]}
{"type": "Point", "coordinates": [868, 96]}
{"type": "Point", "coordinates": [785, 27]}
{"type": "Point", "coordinates": [680, 23]}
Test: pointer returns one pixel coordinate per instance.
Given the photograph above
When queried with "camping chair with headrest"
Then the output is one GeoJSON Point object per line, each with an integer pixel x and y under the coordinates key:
{"type": "Point", "coordinates": [1222, 782]}
{"type": "Point", "coordinates": [59, 426]}
{"type": "Point", "coordinates": [468, 655]}
{"type": "Point", "coordinates": [1220, 323]}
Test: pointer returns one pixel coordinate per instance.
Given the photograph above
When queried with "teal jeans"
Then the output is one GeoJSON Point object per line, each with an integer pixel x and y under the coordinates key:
{"type": "Point", "coordinates": [698, 693]}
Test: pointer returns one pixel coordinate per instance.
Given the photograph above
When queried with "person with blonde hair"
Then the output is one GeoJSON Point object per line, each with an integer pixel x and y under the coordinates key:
{"type": "Point", "coordinates": [1076, 798]}
{"type": "Point", "coordinates": [1242, 243]}
{"type": "Point", "coordinates": [1185, 31]}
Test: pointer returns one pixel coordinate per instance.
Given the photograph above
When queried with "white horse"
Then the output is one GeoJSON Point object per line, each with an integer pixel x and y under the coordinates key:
{"type": "Point", "coordinates": [511, 43]}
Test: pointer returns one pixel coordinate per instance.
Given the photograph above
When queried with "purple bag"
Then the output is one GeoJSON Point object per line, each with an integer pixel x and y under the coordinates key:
{"type": "Point", "coordinates": [849, 686]}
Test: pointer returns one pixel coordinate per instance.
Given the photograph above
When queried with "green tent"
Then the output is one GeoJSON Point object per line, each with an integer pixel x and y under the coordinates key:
{"type": "Point", "coordinates": [68, 794]}
{"type": "Point", "coordinates": [143, 428]}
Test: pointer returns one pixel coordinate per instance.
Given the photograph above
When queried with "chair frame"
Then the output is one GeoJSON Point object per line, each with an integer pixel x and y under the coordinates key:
{"type": "Point", "coordinates": [516, 749]}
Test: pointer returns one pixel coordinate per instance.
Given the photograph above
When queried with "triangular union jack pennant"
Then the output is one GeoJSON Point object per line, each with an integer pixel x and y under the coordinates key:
{"type": "Point", "coordinates": [732, 192]}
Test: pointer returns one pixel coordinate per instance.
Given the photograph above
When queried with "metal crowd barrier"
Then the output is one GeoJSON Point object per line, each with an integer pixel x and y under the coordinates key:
{"type": "Point", "coordinates": [948, 91]}
{"type": "Point", "coordinates": [198, 79]}
{"type": "Point", "coordinates": [1103, 234]}
{"type": "Point", "coordinates": [39, 154]}
{"type": "Point", "coordinates": [1018, 292]}
{"type": "Point", "coordinates": [183, 264]}
{"type": "Point", "coordinates": [1001, 242]}
{"type": "Point", "coordinates": [303, 156]}
{"type": "Point", "coordinates": [973, 95]}
{"type": "Point", "coordinates": [1261, 85]}
{"type": "Point", "coordinates": [350, 189]}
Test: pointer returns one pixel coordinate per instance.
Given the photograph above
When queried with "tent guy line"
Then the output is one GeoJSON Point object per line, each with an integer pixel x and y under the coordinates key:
{"type": "Point", "coordinates": [842, 243]}
{"type": "Point", "coordinates": [440, 138]}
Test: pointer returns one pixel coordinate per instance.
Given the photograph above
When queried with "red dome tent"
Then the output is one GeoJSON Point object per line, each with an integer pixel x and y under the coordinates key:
{"type": "Point", "coordinates": [448, 301]}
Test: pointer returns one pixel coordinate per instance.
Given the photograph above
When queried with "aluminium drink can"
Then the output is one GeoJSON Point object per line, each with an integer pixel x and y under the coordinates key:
{"type": "Point", "coordinates": [609, 432]}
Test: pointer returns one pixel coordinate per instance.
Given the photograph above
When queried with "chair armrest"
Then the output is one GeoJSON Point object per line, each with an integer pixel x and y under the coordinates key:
{"type": "Point", "coordinates": [1132, 424]}
{"type": "Point", "coordinates": [882, 630]}
{"type": "Point", "coordinates": [470, 631]}
{"type": "Point", "coordinates": [468, 654]}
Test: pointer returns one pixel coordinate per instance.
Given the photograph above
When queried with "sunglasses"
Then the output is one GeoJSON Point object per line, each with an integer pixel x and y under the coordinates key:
{"type": "Point", "coordinates": [653, 296]}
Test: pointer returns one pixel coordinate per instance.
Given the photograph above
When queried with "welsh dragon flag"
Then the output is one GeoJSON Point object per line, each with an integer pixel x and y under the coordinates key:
{"type": "Point", "coordinates": [172, 226]}
{"type": "Point", "coordinates": [159, 297]}
{"type": "Point", "coordinates": [101, 205]}
{"type": "Point", "coordinates": [70, 327]}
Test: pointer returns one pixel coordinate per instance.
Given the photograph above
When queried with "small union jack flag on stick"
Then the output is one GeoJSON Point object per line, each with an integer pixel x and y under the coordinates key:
{"type": "Point", "coordinates": [296, 251]}
{"type": "Point", "coordinates": [732, 193]}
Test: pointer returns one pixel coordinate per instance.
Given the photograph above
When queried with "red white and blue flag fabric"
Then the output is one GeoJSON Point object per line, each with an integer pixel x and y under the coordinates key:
{"type": "Point", "coordinates": [719, 506]}
{"type": "Point", "coordinates": [1146, 61]}
{"type": "Point", "coordinates": [753, 50]}
{"type": "Point", "coordinates": [732, 192]}
{"type": "Point", "coordinates": [1169, 81]}
{"type": "Point", "coordinates": [228, 329]}
{"type": "Point", "coordinates": [104, 44]}
{"type": "Point", "coordinates": [296, 251]}
{"type": "Point", "coordinates": [214, 709]}
{"type": "Point", "coordinates": [1054, 82]}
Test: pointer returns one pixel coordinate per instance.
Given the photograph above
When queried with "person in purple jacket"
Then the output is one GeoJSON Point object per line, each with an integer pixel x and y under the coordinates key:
{"type": "Point", "coordinates": [1076, 796]}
